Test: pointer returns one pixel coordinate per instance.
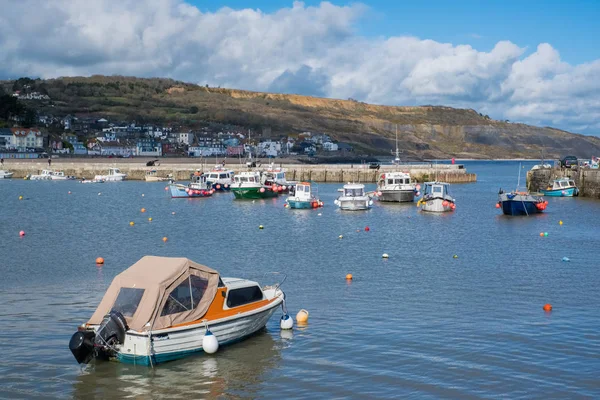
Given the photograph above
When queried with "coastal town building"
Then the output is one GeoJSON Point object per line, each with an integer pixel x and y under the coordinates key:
{"type": "Point", "coordinates": [27, 138]}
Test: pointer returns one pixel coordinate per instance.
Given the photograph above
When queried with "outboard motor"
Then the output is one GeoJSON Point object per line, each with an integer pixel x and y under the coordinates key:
{"type": "Point", "coordinates": [110, 333]}
{"type": "Point", "coordinates": [82, 346]}
{"type": "Point", "coordinates": [86, 345]}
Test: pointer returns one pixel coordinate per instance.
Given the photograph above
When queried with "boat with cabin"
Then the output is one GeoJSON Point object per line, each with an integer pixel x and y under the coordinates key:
{"type": "Point", "coordinates": [114, 175]}
{"type": "Point", "coordinates": [164, 308]}
{"type": "Point", "coordinates": [274, 177]}
{"type": "Point", "coordinates": [51, 175]}
{"type": "Point", "coordinates": [5, 174]}
{"type": "Point", "coordinates": [305, 196]}
{"type": "Point", "coordinates": [247, 185]}
{"type": "Point", "coordinates": [437, 198]}
{"type": "Point", "coordinates": [561, 187]}
{"type": "Point", "coordinates": [198, 187]}
{"type": "Point", "coordinates": [396, 187]}
{"type": "Point", "coordinates": [92, 180]}
{"type": "Point", "coordinates": [220, 178]}
{"type": "Point", "coordinates": [354, 198]}
{"type": "Point", "coordinates": [520, 202]}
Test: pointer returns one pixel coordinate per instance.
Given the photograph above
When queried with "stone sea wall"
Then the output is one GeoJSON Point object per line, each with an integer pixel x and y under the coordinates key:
{"type": "Point", "coordinates": [294, 172]}
{"type": "Point", "coordinates": [587, 180]}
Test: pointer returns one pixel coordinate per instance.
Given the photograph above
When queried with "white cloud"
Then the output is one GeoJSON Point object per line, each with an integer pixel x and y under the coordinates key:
{"type": "Point", "coordinates": [300, 49]}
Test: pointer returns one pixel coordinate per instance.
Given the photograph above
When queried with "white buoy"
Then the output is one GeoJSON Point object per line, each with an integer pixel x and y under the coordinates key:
{"type": "Point", "coordinates": [385, 255]}
{"type": "Point", "coordinates": [286, 322]}
{"type": "Point", "coordinates": [319, 214]}
{"type": "Point", "coordinates": [210, 344]}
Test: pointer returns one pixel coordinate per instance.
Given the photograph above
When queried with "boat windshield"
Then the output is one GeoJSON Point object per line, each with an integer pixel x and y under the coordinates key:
{"type": "Point", "coordinates": [128, 301]}
{"type": "Point", "coordinates": [213, 176]}
{"type": "Point", "coordinates": [223, 176]}
{"type": "Point", "coordinates": [571, 183]}
{"type": "Point", "coordinates": [280, 175]}
{"type": "Point", "coordinates": [353, 192]}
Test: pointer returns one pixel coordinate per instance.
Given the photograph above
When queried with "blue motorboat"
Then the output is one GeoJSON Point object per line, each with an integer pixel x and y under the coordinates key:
{"type": "Point", "coordinates": [198, 187]}
{"type": "Point", "coordinates": [562, 187]}
{"type": "Point", "coordinates": [520, 202]}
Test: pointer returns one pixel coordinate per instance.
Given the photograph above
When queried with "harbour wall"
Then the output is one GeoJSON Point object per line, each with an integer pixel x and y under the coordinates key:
{"type": "Point", "coordinates": [587, 180]}
{"type": "Point", "coordinates": [336, 173]}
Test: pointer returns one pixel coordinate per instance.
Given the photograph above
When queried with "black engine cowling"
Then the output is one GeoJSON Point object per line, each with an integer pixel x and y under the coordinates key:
{"type": "Point", "coordinates": [82, 346]}
{"type": "Point", "coordinates": [86, 345]}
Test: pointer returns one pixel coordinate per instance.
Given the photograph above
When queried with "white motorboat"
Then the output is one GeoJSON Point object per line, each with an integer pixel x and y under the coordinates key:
{"type": "Point", "coordinates": [92, 180]}
{"type": "Point", "coordinates": [114, 175]}
{"type": "Point", "coordinates": [51, 175]}
{"type": "Point", "coordinates": [163, 308]}
{"type": "Point", "coordinates": [436, 198]}
{"type": "Point", "coordinates": [354, 198]}
{"type": "Point", "coordinates": [5, 174]}
{"type": "Point", "coordinates": [220, 178]}
{"type": "Point", "coordinates": [275, 177]}
{"type": "Point", "coordinates": [396, 187]}
{"type": "Point", "coordinates": [152, 176]}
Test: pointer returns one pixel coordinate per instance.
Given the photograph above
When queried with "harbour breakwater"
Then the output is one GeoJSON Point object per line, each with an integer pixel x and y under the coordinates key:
{"type": "Point", "coordinates": [335, 173]}
{"type": "Point", "coordinates": [587, 180]}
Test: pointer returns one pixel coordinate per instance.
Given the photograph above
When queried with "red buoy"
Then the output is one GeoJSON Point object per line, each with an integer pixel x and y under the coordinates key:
{"type": "Point", "coordinates": [367, 229]}
{"type": "Point", "coordinates": [547, 307]}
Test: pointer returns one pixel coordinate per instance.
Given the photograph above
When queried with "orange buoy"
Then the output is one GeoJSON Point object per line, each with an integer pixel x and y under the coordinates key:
{"type": "Point", "coordinates": [497, 205]}
{"type": "Point", "coordinates": [99, 260]}
{"type": "Point", "coordinates": [302, 316]}
{"type": "Point", "coordinates": [143, 210]}
{"type": "Point", "coordinates": [541, 234]}
{"type": "Point", "coordinates": [349, 277]}
{"type": "Point", "coordinates": [547, 307]}
{"type": "Point", "coordinates": [165, 239]}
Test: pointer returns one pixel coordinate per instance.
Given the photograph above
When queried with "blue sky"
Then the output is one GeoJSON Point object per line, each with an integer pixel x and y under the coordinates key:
{"type": "Point", "coordinates": [525, 61]}
{"type": "Point", "coordinates": [572, 27]}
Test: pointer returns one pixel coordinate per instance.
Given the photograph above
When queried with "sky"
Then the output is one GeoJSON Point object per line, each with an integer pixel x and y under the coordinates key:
{"type": "Point", "coordinates": [536, 62]}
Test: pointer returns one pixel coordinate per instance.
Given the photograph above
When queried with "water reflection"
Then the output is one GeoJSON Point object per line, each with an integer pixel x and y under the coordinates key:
{"type": "Point", "coordinates": [235, 368]}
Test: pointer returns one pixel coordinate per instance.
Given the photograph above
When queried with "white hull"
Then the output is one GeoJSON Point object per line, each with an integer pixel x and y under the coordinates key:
{"type": "Point", "coordinates": [40, 177]}
{"type": "Point", "coordinates": [5, 175]}
{"type": "Point", "coordinates": [174, 343]}
{"type": "Point", "coordinates": [436, 205]}
{"type": "Point", "coordinates": [110, 178]}
{"type": "Point", "coordinates": [354, 203]}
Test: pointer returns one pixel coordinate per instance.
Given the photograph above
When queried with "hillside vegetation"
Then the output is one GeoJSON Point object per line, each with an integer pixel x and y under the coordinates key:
{"type": "Point", "coordinates": [424, 131]}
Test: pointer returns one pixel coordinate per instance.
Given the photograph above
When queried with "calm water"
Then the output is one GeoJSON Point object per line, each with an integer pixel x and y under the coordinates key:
{"type": "Point", "coordinates": [421, 324]}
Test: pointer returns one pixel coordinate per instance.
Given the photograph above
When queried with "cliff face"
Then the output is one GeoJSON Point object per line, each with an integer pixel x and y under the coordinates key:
{"type": "Point", "coordinates": [423, 132]}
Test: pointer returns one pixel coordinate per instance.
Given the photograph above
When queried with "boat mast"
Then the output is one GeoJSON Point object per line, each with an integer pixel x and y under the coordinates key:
{"type": "Point", "coordinates": [397, 153]}
{"type": "Point", "coordinates": [519, 178]}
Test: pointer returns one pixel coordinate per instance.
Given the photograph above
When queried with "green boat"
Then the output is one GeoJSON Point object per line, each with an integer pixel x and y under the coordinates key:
{"type": "Point", "coordinates": [302, 197]}
{"type": "Point", "coordinates": [246, 185]}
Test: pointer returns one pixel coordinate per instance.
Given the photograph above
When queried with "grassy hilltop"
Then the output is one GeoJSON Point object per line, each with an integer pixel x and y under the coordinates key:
{"type": "Point", "coordinates": [424, 131]}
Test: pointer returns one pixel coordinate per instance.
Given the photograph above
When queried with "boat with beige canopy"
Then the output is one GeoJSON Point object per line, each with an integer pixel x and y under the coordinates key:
{"type": "Point", "coordinates": [164, 308]}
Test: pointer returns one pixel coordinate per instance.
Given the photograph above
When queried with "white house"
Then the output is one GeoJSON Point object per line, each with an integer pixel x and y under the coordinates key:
{"type": "Point", "coordinates": [330, 146]}
{"type": "Point", "coordinates": [185, 138]}
{"type": "Point", "coordinates": [269, 148]}
{"type": "Point", "coordinates": [27, 137]}
{"type": "Point", "coordinates": [206, 151]}
{"type": "Point", "coordinates": [116, 149]}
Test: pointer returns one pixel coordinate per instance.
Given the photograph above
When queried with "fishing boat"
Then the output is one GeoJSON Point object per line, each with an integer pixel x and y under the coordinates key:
{"type": "Point", "coordinates": [152, 176]}
{"type": "Point", "coordinates": [520, 202]}
{"type": "Point", "coordinates": [114, 175]}
{"type": "Point", "coordinates": [274, 177]}
{"type": "Point", "coordinates": [304, 196]}
{"type": "Point", "coordinates": [5, 174]}
{"type": "Point", "coordinates": [162, 309]}
{"type": "Point", "coordinates": [562, 187]}
{"type": "Point", "coordinates": [354, 198]}
{"type": "Point", "coordinates": [247, 185]}
{"type": "Point", "coordinates": [396, 187]}
{"type": "Point", "coordinates": [198, 187]}
{"type": "Point", "coordinates": [220, 178]}
{"type": "Point", "coordinates": [51, 175]}
{"type": "Point", "coordinates": [437, 198]}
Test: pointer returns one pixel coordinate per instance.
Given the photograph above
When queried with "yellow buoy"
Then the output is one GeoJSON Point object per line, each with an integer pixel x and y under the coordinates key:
{"type": "Point", "coordinates": [165, 239]}
{"type": "Point", "coordinates": [261, 227]}
{"type": "Point", "coordinates": [455, 256]}
{"type": "Point", "coordinates": [150, 219]}
{"type": "Point", "coordinates": [302, 316]}
{"type": "Point", "coordinates": [20, 197]}
{"type": "Point", "coordinates": [341, 237]}
{"type": "Point", "coordinates": [560, 222]}
{"type": "Point", "coordinates": [132, 223]}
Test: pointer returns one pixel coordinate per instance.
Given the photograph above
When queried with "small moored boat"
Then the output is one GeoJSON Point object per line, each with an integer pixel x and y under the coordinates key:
{"type": "Point", "coordinates": [247, 185]}
{"type": "Point", "coordinates": [198, 187]}
{"type": "Point", "coordinates": [220, 178]}
{"type": "Point", "coordinates": [396, 187]}
{"type": "Point", "coordinates": [274, 178]}
{"type": "Point", "coordinates": [92, 180]}
{"type": "Point", "coordinates": [436, 198]}
{"type": "Point", "coordinates": [562, 187]}
{"type": "Point", "coordinates": [163, 309]}
{"type": "Point", "coordinates": [354, 198]}
{"type": "Point", "coordinates": [152, 176]}
{"type": "Point", "coordinates": [114, 175]}
{"type": "Point", "coordinates": [304, 197]}
{"type": "Point", "coordinates": [51, 175]}
{"type": "Point", "coordinates": [520, 203]}
{"type": "Point", "coordinates": [5, 174]}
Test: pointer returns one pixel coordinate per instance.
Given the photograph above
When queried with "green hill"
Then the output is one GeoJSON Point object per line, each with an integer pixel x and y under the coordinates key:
{"type": "Point", "coordinates": [424, 131]}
